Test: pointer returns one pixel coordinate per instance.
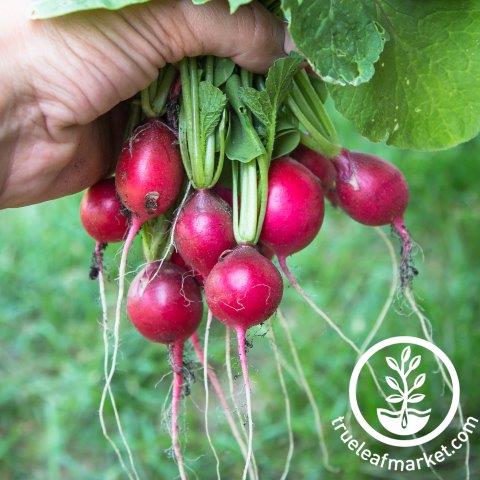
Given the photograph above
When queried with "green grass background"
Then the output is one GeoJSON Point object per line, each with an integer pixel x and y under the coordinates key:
{"type": "Point", "coordinates": [51, 350]}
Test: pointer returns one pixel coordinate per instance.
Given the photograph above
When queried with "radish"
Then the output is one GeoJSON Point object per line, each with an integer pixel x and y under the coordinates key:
{"type": "Point", "coordinates": [165, 306]}
{"type": "Point", "coordinates": [204, 230]}
{"type": "Point", "coordinates": [321, 166]}
{"type": "Point", "coordinates": [244, 289]}
{"type": "Point", "coordinates": [102, 217]}
{"type": "Point", "coordinates": [101, 213]}
{"type": "Point", "coordinates": [148, 179]}
{"type": "Point", "coordinates": [295, 208]}
{"type": "Point", "coordinates": [149, 172]}
{"type": "Point", "coordinates": [375, 193]}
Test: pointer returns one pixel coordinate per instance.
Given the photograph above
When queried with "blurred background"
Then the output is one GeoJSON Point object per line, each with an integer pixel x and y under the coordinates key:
{"type": "Point", "coordinates": [51, 348]}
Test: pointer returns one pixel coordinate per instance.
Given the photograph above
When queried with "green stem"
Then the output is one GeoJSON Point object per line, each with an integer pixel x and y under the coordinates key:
{"type": "Point", "coordinates": [221, 152]}
{"type": "Point", "coordinates": [196, 147]}
{"type": "Point", "coordinates": [248, 202]}
{"type": "Point", "coordinates": [133, 119]}
{"type": "Point", "coordinates": [164, 85]}
{"type": "Point", "coordinates": [317, 141]}
{"type": "Point", "coordinates": [210, 141]}
{"type": "Point", "coordinates": [263, 165]}
{"type": "Point", "coordinates": [304, 84]}
{"type": "Point", "coordinates": [146, 106]}
{"type": "Point", "coordinates": [306, 109]}
{"type": "Point", "coordinates": [235, 205]}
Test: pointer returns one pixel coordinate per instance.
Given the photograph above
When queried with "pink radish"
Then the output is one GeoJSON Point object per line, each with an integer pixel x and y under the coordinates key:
{"type": "Point", "coordinates": [321, 166]}
{"type": "Point", "coordinates": [295, 208]}
{"type": "Point", "coordinates": [101, 213]}
{"type": "Point", "coordinates": [165, 305]}
{"type": "Point", "coordinates": [375, 193]}
{"type": "Point", "coordinates": [204, 230]}
{"type": "Point", "coordinates": [149, 172]}
{"type": "Point", "coordinates": [244, 289]}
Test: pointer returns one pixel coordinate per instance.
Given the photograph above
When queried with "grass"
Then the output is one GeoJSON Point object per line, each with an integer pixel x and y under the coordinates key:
{"type": "Point", "coordinates": [51, 352]}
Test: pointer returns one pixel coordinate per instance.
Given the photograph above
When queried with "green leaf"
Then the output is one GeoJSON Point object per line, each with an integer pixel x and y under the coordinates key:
{"type": "Point", "coordinates": [285, 142]}
{"type": "Point", "coordinates": [342, 39]}
{"type": "Point", "coordinates": [425, 93]}
{"type": "Point", "coordinates": [212, 103]}
{"type": "Point", "coordinates": [242, 144]}
{"type": "Point", "coordinates": [224, 68]}
{"type": "Point", "coordinates": [55, 8]}
{"type": "Point", "coordinates": [258, 103]}
{"type": "Point", "coordinates": [279, 79]}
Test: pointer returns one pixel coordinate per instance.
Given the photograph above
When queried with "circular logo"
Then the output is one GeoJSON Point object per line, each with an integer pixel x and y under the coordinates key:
{"type": "Point", "coordinates": [404, 415]}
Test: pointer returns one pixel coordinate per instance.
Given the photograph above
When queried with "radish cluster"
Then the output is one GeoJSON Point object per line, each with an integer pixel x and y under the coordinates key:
{"type": "Point", "coordinates": [211, 248]}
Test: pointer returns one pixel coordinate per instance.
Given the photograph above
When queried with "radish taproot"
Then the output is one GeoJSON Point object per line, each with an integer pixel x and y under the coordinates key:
{"type": "Point", "coordinates": [375, 193]}
{"type": "Point", "coordinates": [165, 306]}
{"type": "Point", "coordinates": [204, 230]}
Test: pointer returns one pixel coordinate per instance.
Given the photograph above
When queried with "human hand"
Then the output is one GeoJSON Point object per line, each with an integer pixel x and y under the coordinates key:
{"type": "Point", "coordinates": [61, 79]}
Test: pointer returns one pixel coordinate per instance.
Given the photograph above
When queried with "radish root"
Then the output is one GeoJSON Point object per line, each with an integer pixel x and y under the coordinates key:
{"type": "Point", "coordinates": [177, 367]}
{"type": "Point", "coordinates": [228, 363]}
{"type": "Point", "coordinates": [426, 329]}
{"type": "Point", "coordinates": [134, 228]}
{"type": "Point", "coordinates": [288, 413]}
{"type": "Point", "coordinates": [308, 392]}
{"type": "Point", "coordinates": [103, 302]}
{"type": "Point", "coordinates": [205, 383]}
{"type": "Point", "coordinates": [242, 353]}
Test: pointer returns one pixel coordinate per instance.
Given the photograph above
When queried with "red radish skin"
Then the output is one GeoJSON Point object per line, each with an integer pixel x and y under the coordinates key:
{"type": "Point", "coordinates": [244, 288]}
{"type": "Point", "coordinates": [149, 172]}
{"type": "Point", "coordinates": [295, 207]}
{"type": "Point", "coordinates": [375, 193]}
{"type": "Point", "coordinates": [165, 305]}
{"type": "Point", "coordinates": [224, 193]}
{"type": "Point", "coordinates": [101, 213]}
{"type": "Point", "coordinates": [204, 231]}
{"type": "Point", "coordinates": [321, 166]}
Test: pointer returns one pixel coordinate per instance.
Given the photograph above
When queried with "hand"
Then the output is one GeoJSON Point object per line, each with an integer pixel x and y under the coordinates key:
{"type": "Point", "coordinates": [61, 79]}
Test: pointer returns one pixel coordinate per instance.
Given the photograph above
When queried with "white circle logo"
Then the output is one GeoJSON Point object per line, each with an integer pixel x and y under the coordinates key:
{"type": "Point", "coordinates": [405, 417]}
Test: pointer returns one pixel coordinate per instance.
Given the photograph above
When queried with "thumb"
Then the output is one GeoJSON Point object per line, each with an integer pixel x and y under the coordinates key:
{"type": "Point", "coordinates": [113, 55]}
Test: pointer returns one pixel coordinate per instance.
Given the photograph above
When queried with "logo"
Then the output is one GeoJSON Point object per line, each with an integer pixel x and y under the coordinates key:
{"type": "Point", "coordinates": [402, 414]}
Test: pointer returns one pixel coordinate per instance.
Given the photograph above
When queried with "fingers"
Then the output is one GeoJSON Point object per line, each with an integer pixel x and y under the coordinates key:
{"type": "Point", "coordinates": [252, 37]}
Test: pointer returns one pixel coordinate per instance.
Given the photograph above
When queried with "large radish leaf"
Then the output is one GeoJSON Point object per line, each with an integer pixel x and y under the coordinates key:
{"type": "Point", "coordinates": [341, 39]}
{"type": "Point", "coordinates": [425, 93]}
{"type": "Point", "coordinates": [55, 8]}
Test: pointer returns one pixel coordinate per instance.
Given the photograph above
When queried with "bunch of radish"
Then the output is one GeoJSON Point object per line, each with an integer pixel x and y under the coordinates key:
{"type": "Point", "coordinates": [223, 172]}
